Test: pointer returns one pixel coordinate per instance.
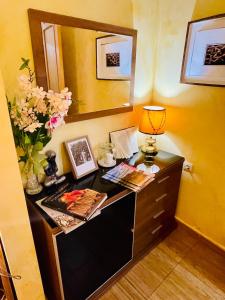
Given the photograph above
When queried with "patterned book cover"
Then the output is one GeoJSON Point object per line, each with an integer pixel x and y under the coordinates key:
{"type": "Point", "coordinates": [65, 222]}
{"type": "Point", "coordinates": [129, 177]}
{"type": "Point", "coordinates": [80, 204]}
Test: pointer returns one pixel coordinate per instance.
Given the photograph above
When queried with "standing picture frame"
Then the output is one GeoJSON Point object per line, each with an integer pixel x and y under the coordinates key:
{"type": "Point", "coordinates": [81, 156]}
{"type": "Point", "coordinates": [114, 57]}
{"type": "Point", "coordinates": [204, 52]}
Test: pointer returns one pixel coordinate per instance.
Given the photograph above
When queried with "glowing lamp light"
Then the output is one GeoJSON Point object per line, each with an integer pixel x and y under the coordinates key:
{"type": "Point", "coordinates": [153, 120]}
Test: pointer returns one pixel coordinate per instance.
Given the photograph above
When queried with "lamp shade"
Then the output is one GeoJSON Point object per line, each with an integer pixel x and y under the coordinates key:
{"type": "Point", "coordinates": [153, 120]}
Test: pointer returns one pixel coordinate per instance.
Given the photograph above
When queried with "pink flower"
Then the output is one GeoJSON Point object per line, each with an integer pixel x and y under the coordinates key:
{"type": "Point", "coordinates": [54, 122]}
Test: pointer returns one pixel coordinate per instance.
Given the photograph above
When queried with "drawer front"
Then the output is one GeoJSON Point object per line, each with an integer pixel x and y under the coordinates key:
{"type": "Point", "coordinates": [154, 219]}
{"type": "Point", "coordinates": [155, 208]}
{"type": "Point", "coordinates": [146, 239]}
{"type": "Point", "coordinates": [160, 194]}
{"type": "Point", "coordinates": [144, 212]}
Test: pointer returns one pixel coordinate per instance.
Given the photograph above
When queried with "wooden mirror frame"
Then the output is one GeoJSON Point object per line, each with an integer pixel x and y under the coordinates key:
{"type": "Point", "coordinates": [36, 17]}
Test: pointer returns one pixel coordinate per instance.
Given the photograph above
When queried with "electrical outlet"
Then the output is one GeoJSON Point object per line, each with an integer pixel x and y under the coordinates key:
{"type": "Point", "coordinates": [187, 166]}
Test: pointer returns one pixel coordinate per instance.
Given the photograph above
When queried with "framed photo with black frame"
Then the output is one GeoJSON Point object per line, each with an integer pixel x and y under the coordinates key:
{"type": "Point", "coordinates": [204, 52]}
{"type": "Point", "coordinates": [81, 156]}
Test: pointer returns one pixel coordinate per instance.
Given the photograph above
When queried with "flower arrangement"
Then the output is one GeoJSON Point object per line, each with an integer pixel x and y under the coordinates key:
{"type": "Point", "coordinates": [34, 116]}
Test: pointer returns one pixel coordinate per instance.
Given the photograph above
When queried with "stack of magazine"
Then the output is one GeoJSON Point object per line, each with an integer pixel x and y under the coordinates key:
{"type": "Point", "coordinates": [71, 209]}
{"type": "Point", "coordinates": [129, 177]}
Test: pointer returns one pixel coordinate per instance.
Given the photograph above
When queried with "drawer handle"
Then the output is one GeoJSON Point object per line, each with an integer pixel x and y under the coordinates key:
{"type": "Point", "coordinates": [159, 214]}
{"type": "Point", "coordinates": [4, 273]}
{"type": "Point", "coordinates": [160, 198]}
{"type": "Point", "coordinates": [157, 229]}
{"type": "Point", "coordinates": [163, 179]}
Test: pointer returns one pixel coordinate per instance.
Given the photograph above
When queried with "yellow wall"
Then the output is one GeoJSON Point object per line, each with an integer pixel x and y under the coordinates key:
{"type": "Point", "coordinates": [14, 222]}
{"type": "Point", "coordinates": [145, 16]}
{"type": "Point", "coordinates": [15, 43]}
{"type": "Point", "coordinates": [195, 122]}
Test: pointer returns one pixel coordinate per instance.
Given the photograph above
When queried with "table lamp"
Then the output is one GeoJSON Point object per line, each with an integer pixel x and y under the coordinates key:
{"type": "Point", "coordinates": [152, 123]}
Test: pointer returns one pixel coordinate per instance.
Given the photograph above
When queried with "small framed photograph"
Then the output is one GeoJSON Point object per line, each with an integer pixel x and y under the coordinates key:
{"type": "Point", "coordinates": [81, 156]}
{"type": "Point", "coordinates": [114, 57]}
{"type": "Point", "coordinates": [204, 53]}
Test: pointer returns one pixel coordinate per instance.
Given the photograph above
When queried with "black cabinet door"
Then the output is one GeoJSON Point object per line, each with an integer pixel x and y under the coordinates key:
{"type": "Point", "coordinates": [91, 254]}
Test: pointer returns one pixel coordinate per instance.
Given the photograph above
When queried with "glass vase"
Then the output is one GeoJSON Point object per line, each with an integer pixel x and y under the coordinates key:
{"type": "Point", "coordinates": [33, 187]}
{"type": "Point", "coordinates": [30, 178]}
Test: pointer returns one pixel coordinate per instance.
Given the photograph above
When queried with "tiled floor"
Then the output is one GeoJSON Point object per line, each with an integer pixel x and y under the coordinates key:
{"type": "Point", "coordinates": [180, 268]}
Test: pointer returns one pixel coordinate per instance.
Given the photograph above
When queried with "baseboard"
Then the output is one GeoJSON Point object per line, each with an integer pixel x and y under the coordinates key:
{"type": "Point", "coordinates": [212, 244]}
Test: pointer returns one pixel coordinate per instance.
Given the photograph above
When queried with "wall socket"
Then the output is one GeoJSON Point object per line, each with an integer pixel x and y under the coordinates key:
{"type": "Point", "coordinates": [187, 166]}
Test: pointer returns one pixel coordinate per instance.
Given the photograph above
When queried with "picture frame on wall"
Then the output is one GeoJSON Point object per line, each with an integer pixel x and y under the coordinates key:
{"type": "Point", "coordinates": [204, 52]}
{"type": "Point", "coordinates": [114, 57]}
{"type": "Point", "coordinates": [81, 156]}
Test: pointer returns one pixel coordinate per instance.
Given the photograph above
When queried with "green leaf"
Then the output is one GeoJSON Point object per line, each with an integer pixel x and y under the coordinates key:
{"type": "Point", "coordinates": [38, 146]}
{"type": "Point", "coordinates": [23, 66]}
{"type": "Point", "coordinates": [44, 163]}
{"type": "Point", "coordinates": [37, 168]}
{"type": "Point", "coordinates": [25, 63]}
{"type": "Point", "coordinates": [27, 140]}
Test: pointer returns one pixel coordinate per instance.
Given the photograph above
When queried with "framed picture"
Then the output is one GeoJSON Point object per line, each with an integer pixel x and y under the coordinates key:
{"type": "Point", "coordinates": [114, 57]}
{"type": "Point", "coordinates": [81, 156]}
{"type": "Point", "coordinates": [204, 52]}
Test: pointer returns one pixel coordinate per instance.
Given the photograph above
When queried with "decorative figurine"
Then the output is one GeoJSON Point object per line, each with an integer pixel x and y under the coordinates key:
{"type": "Point", "coordinates": [106, 155]}
{"type": "Point", "coordinates": [51, 170]}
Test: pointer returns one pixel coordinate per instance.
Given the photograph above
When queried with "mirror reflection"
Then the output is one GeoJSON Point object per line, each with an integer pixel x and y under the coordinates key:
{"type": "Point", "coordinates": [94, 65]}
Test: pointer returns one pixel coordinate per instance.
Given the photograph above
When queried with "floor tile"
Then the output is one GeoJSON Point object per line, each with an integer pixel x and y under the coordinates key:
{"type": "Point", "coordinates": [122, 290]}
{"type": "Point", "coordinates": [183, 285]}
{"type": "Point", "coordinates": [149, 273]}
{"type": "Point", "coordinates": [207, 265]}
{"type": "Point", "coordinates": [178, 243]}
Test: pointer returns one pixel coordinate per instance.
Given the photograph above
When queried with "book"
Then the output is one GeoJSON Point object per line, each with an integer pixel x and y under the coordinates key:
{"type": "Point", "coordinates": [129, 177]}
{"type": "Point", "coordinates": [80, 204]}
{"type": "Point", "coordinates": [65, 222]}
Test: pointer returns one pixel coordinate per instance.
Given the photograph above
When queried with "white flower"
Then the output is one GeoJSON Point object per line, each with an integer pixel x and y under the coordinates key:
{"type": "Point", "coordinates": [40, 106]}
{"type": "Point", "coordinates": [38, 92]}
{"type": "Point", "coordinates": [32, 127]}
{"type": "Point", "coordinates": [35, 102]}
{"type": "Point", "coordinates": [24, 83]}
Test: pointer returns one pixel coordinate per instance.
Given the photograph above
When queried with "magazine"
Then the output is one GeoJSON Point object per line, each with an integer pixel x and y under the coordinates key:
{"type": "Point", "coordinates": [80, 204]}
{"type": "Point", "coordinates": [65, 222]}
{"type": "Point", "coordinates": [129, 177]}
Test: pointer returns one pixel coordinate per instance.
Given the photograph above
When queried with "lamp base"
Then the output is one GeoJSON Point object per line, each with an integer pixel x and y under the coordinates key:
{"type": "Point", "coordinates": [149, 157]}
{"type": "Point", "coordinates": [149, 149]}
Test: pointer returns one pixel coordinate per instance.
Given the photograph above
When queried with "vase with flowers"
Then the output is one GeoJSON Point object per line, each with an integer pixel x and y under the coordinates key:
{"type": "Point", "coordinates": [34, 115]}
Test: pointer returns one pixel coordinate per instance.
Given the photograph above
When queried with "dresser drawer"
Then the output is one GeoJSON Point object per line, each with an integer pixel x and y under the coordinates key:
{"type": "Point", "coordinates": [144, 212]}
{"type": "Point", "coordinates": [153, 219]}
{"type": "Point", "coordinates": [160, 194]}
{"type": "Point", "coordinates": [146, 238]}
{"type": "Point", "coordinates": [164, 183]}
{"type": "Point", "coordinates": [155, 208]}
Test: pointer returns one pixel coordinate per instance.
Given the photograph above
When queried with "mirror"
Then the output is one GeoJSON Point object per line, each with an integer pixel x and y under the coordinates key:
{"type": "Point", "coordinates": [96, 61]}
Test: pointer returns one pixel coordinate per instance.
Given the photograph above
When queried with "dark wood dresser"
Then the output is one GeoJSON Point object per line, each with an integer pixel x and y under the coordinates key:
{"type": "Point", "coordinates": [83, 263]}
